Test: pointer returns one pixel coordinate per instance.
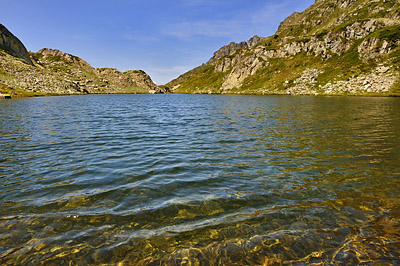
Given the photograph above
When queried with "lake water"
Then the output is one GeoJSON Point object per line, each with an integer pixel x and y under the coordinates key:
{"type": "Point", "coordinates": [199, 180]}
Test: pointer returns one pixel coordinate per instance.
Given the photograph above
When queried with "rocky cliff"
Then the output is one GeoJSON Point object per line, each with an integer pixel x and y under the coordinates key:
{"type": "Point", "coordinates": [232, 47]}
{"type": "Point", "coordinates": [51, 71]}
{"type": "Point", "coordinates": [13, 46]}
{"type": "Point", "coordinates": [335, 47]}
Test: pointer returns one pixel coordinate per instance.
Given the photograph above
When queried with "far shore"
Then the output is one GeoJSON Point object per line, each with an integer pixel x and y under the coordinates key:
{"type": "Point", "coordinates": [25, 94]}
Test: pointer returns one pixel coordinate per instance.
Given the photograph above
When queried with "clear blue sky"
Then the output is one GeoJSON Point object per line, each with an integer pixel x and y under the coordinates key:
{"type": "Point", "coordinates": [163, 38]}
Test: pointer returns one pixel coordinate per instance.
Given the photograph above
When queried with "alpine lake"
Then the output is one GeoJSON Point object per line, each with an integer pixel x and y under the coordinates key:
{"type": "Point", "coordinates": [200, 180]}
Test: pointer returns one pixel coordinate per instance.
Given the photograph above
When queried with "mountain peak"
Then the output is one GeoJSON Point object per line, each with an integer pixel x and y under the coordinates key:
{"type": "Point", "coordinates": [232, 47]}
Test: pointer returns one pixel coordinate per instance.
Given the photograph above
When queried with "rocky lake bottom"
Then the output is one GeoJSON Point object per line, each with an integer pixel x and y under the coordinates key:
{"type": "Point", "coordinates": [199, 180]}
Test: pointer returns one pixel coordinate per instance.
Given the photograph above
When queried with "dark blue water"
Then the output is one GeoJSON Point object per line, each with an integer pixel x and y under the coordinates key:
{"type": "Point", "coordinates": [199, 180]}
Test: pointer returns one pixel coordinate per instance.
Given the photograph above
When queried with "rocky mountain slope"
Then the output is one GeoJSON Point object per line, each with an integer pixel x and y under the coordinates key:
{"type": "Point", "coordinates": [335, 47]}
{"type": "Point", "coordinates": [51, 71]}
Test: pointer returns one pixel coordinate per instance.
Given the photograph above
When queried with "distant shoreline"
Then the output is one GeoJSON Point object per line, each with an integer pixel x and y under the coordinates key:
{"type": "Point", "coordinates": [37, 95]}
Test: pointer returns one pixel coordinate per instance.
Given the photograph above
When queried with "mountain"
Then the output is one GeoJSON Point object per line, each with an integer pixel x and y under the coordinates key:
{"type": "Point", "coordinates": [51, 71]}
{"type": "Point", "coordinates": [335, 47]}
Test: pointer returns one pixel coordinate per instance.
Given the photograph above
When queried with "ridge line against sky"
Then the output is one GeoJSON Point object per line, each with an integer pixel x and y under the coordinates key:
{"type": "Point", "coordinates": [163, 38]}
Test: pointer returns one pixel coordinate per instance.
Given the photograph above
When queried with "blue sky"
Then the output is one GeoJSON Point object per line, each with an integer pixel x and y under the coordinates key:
{"type": "Point", "coordinates": [163, 38]}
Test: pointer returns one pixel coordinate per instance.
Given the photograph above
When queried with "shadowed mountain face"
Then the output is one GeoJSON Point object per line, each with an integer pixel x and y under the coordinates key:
{"type": "Point", "coordinates": [335, 47]}
{"type": "Point", "coordinates": [50, 71]}
{"type": "Point", "coordinates": [13, 46]}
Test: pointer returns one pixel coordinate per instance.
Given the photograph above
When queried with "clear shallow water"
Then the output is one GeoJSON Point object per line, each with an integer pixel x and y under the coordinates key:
{"type": "Point", "coordinates": [199, 180]}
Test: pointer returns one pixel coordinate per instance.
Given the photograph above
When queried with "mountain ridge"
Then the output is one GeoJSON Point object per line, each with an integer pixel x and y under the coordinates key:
{"type": "Point", "coordinates": [53, 72]}
{"type": "Point", "coordinates": [233, 46]}
{"type": "Point", "coordinates": [334, 47]}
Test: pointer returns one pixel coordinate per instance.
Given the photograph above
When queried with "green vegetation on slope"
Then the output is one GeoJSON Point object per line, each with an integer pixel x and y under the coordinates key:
{"type": "Point", "coordinates": [335, 40]}
{"type": "Point", "coordinates": [200, 80]}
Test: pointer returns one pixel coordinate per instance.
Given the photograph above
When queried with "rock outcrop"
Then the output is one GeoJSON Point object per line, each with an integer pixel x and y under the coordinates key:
{"type": "Point", "coordinates": [13, 46]}
{"type": "Point", "coordinates": [333, 47]}
{"type": "Point", "coordinates": [293, 18]}
{"type": "Point", "coordinates": [142, 79]}
{"type": "Point", "coordinates": [129, 79]}
{"type": "Point", "coordinates": [57, 55]}
{"type": "Point", "coordinates": [232, 47]}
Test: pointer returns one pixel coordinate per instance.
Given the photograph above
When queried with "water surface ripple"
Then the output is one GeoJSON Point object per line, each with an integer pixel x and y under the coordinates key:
{"type": "Point", "coordinates": [199, 180]}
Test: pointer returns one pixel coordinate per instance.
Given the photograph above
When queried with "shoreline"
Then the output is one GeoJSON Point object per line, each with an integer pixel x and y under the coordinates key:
{"type": "Point", "coordinates": [34, 95]}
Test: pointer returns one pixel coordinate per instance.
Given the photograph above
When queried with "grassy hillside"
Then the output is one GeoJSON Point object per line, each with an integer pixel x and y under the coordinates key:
{"type": "Point", "coordinates": [333, 47]}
